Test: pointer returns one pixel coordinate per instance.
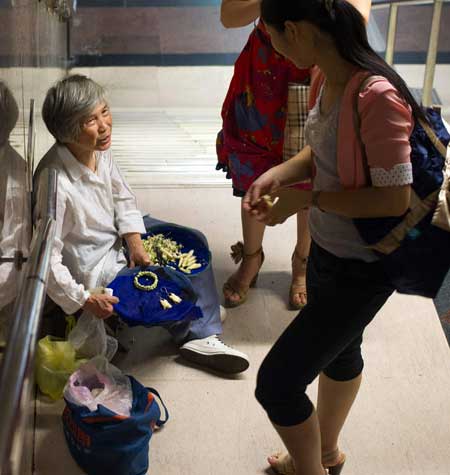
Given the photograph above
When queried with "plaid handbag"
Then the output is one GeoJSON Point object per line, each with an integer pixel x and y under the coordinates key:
{"type": "Point", "coordinates": [297, 113]}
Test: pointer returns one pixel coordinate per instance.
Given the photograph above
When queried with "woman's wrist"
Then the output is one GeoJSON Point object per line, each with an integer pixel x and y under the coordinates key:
{"type": "Point", "coordinates": [133, 240]}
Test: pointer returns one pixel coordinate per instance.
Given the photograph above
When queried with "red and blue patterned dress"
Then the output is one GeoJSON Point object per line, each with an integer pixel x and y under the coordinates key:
{"type": "Point", "coordinates": [254, 112]}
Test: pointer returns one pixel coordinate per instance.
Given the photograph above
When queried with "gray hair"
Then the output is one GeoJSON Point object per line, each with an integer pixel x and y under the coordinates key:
{"type": "Point", "coordinates": [68, 103]}
{"type": "Point", "coordinates": [9, 112]}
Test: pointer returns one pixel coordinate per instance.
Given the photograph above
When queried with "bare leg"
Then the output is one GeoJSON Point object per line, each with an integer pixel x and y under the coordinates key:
{"type": "Point", "coordinates": [253, 233]}
{"type": "Point", "coordinates": [334, 401]}
{"type": "Point", "coordinates": [303, 443]}
{"type": "Point", "coordinates": [297, 295]}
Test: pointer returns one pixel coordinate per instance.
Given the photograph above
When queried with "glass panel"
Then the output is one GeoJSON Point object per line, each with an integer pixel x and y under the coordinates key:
{"type": "Point", "coordinates": [32, 57]}
{"type": "Point", "coordinates": [15, 225]}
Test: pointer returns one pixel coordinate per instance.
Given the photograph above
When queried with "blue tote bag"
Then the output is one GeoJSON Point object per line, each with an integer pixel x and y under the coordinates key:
{"type": "Point", "coordinates": [105, 443]}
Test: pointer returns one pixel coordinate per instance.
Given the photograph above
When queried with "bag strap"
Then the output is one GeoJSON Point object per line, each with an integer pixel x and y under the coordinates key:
{"type": "Point", "coordinates": [418, 208]}
{"type": "Point", "coordinates": [357, 123]}
{"type": "Point", "coordinates": [160, 422]}
{"type": "Point", "coordinates": [440, 147]}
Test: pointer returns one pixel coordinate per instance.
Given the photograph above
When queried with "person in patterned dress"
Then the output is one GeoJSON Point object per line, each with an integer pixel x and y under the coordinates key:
{"type": "Point", "coordinates": [251, 142]}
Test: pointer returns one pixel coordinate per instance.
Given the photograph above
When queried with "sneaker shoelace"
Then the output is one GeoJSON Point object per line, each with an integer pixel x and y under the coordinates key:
{"type": "Point", "coordinates": [214, 340]}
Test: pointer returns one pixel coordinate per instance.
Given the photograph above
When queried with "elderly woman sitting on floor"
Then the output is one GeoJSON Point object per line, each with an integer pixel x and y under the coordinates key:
{"type": "Point", "coordinates": [96, 210]}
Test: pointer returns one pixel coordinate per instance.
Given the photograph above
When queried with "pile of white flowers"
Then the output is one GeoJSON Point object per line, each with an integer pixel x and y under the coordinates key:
{"type": "Point", "coordinates": [164, 251]}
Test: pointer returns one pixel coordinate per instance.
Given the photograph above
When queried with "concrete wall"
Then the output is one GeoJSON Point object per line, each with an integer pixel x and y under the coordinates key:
{"type": "Point", "coordinates": [189, 32]}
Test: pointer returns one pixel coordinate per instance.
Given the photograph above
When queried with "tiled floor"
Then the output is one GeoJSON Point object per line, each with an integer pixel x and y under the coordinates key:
{"type": "Point", "coordinates": [400, 423]}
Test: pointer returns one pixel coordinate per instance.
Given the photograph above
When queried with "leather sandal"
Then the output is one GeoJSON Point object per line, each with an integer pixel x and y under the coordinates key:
{"type": "Point", "coordinates": [233, 285]}
{"type": "Point", "coordinates": [297, 289]}
{"type": "Point", "coordinates": [337, 467]}
{"type": "Point", "coordinates": [284, 465]}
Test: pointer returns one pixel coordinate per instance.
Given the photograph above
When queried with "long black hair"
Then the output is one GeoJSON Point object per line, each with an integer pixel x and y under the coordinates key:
{"type": "Point", "coordinates": [347, 27]}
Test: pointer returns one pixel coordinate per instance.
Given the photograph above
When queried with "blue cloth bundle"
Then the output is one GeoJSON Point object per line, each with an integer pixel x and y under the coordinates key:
{"type": "Point", "coordinates": [140, 307]}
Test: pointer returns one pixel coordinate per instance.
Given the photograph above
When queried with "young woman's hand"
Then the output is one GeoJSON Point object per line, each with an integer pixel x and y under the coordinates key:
{"type": "Point", "coordinates": [266, 184]}
{"type": "Point", "coordinates": [287, 202]}
{"type": "Point", "coordinates": [290, 201]}
{"type": "Point", "coordinates": [100, 305]}
{"type": "Point", "coordinates": [262, 209]}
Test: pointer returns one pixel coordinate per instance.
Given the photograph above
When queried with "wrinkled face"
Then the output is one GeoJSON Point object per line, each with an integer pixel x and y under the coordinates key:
{"type": "Point", "coordinates": [295, 43]}
{"type": "Point", "coordinates": [96, 129]}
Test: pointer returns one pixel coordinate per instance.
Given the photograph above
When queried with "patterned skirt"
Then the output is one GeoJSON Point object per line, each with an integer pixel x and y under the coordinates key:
{"type": "Point", "coordinates": [255, 111]}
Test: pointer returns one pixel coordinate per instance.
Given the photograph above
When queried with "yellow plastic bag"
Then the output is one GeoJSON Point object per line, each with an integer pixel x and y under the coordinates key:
{"type": "Point", "coordinates": [55, 362]}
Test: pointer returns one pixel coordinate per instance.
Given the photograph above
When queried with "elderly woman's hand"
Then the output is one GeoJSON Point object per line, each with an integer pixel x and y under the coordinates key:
{"type": "Point", "coordinates": [101, 305]}
{"type": "Point", "coordinates": [137, 254]}
{"type": "Point", "coordinates": [138, 257]}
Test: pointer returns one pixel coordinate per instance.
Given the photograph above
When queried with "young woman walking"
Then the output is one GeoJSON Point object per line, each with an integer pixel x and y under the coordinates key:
{"type": "Point", "coordinates": [346, 282]}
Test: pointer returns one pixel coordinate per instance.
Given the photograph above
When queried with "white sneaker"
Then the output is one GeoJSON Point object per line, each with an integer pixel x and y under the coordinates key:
{"type": "Point", "coordinates": [213, 353]}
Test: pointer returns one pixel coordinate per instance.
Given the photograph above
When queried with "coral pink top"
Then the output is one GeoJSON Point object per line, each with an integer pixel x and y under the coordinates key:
{"type": "Point", "coordinates": [386, 126]}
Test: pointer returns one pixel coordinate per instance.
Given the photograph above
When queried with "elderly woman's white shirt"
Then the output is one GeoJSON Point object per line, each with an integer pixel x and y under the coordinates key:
{"type": "Point", "coordinates": [93, 211]}
{"type": "Point", "coordinates": [15, 219]}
